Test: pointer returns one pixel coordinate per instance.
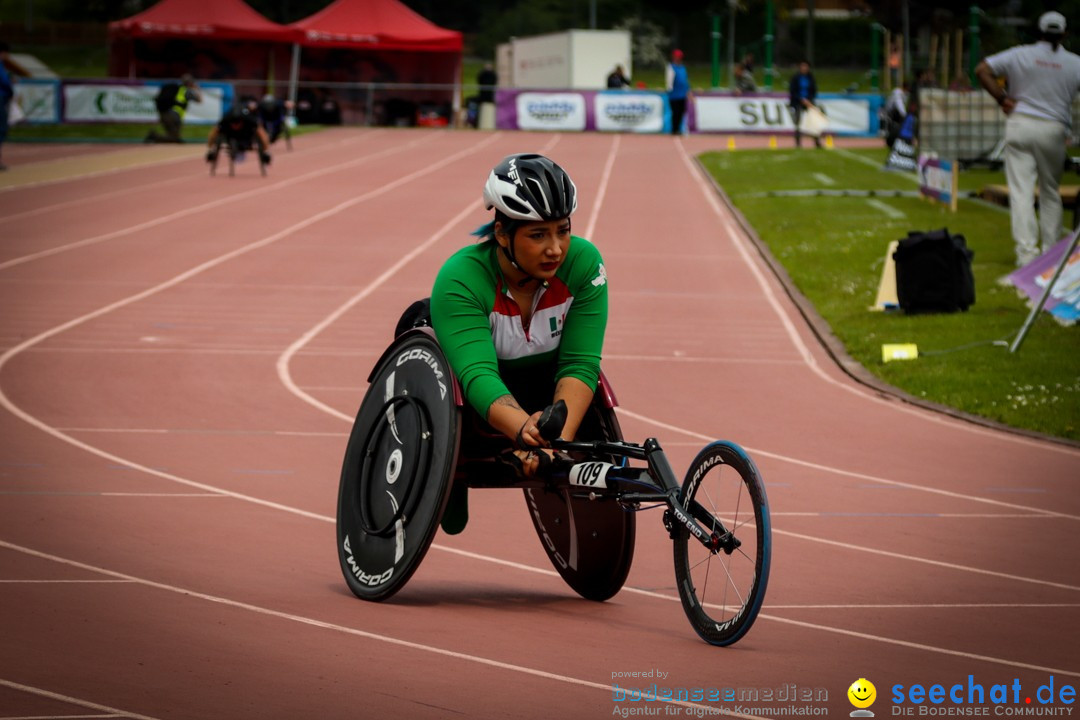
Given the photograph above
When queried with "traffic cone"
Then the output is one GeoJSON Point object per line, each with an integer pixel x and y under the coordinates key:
{"type": "Point", "coordinates": [731, 142]}
{"type": "Point", "coordinates": [772, 142]}
{"type": "Point", "coordinates": [828, 141]}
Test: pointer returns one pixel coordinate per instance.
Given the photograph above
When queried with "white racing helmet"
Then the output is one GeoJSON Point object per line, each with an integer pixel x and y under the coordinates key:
{"type": "Point", "coordinates": [530, 187]}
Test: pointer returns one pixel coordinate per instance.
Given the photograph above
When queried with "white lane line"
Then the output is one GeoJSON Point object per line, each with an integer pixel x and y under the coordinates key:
{"type": "Point", "coordinates": [838, 515]}
{"type": "Point", "coordinates": [776, 618]}
{"type": "Point", "coordinates": [58, 717]}
{"type": "Point", "coordinates": [742, 245]}
{"type": "Point", "coordinates": [874, 164]}
{"type": "Point", "coordinates": [543, 674]}
{"type": "Point", "coordinates": [848, 473]}
{"type": "Point", "coordinates": [18, 412]}
{"type": "Point", "coordinates": [894, 213]}
{"type": "Point", "coordinates": [205, 431]}
{"type": "Point", "coordinates": [51, 582]}
{"type": "Point", "coordinates": [605, 178]}
{"type": "Point", "coordinates": [702, 360]}
{"type": "Point", "coordinates": [96, 198]}
{"type": "Point", "coordinates": [925, 561]}
{"type": "Point", "coordinates": [113, 712]}
{"type": "Point", "coordinates": [194, 350]}
{"type": "Point", "coordinates": [155, 185]}
{"type": "Point", "coordinates": [212, 204]}
{"type": "Point", "coordinates": [924, 606]}
{"type": "Point", "coordinates": [96, 173]}
{"type": "Point", "coordinates": [283, 370]}
{"type": "Point", "coordinates": [82, 493]}
{"type": "Point", "coordinates": [824, 179]}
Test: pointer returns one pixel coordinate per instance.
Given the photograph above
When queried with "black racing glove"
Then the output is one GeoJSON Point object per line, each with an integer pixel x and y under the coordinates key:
{"type": "Point", "coordinates": [211, 155]}
{"type": "Point", "coordinates": [265, 157]}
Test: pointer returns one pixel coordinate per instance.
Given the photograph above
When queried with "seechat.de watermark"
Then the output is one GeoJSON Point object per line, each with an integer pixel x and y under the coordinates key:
{"type": "Point", "coordinates": [972, 698]}
{"type": "Point", "coordinates": [967, 698]}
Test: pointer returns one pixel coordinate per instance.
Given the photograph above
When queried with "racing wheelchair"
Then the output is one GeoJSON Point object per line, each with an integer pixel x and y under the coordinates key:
{"type": "Point", "coordinates": [235, 150]}
{"type": "Point", "coordinates": [414, 436]}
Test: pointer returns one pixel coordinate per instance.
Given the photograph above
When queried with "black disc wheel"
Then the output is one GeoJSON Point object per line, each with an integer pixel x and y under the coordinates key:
{"type": "Point", "coordinates": [395, 479]}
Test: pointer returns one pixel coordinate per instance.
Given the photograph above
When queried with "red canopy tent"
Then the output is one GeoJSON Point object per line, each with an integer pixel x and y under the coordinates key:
{"type": "Point", "coordinates": [223, 39]}
{"type": "Point", "coordinates": [378, 25]}
{"type": "Point", "coordinates": [376, 60]}
{"type": "Point", "coordinates": [380, 42]}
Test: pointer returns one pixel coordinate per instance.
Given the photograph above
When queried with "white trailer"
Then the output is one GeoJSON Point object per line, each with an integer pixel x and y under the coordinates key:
{"type": "Point", "coordinates": [575, 59]}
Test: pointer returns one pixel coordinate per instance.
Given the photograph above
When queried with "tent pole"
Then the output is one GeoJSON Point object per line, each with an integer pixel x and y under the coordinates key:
{"type": "Point", "coordinates": [294, 74]}
{"type": "Point", "coordinates": [455, 110]}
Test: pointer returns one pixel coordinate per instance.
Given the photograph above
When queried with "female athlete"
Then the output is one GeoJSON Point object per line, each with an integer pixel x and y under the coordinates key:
{"type": "Point", "coordinates": [521, 315]}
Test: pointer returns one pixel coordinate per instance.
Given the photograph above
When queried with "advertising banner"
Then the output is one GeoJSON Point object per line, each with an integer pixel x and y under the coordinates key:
{"type": "Point", "coordinates": [549, 111]}
{"type": "Point", "coordinates": [1064, 300]}
{"type": "Point", "coordinates": [648, 112]}
{"type": "Point", "coordinates": [38, 100]}
{"type": "Point", "coordinates": [630, 111]}
{"type": "Point", "coordinates": [125, 102]}
{"type": "Point", "coordinates": [937, 180]}
{"type": "Point", "coordinates": [771, 113]}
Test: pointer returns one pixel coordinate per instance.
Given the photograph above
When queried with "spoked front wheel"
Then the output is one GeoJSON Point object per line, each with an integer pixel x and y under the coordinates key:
{"type": "Point", "coordinates": [722, 589]}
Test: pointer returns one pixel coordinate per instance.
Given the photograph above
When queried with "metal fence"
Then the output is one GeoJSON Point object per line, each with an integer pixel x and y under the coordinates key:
{"type": "Point", "coordinates": [966, 125]}
{"type": "Point", "coordinates": [351, 103]}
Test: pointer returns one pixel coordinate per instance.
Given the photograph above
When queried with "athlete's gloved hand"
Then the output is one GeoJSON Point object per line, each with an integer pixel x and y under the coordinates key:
{"type": "Point", "coordinates": [211, 155]}
{"type": "Point", "coordinates": [265, 157]}
{"type": "Point", "coordinates": [542, 427]}
{"type": "Point", "coordinates": [552, 421]}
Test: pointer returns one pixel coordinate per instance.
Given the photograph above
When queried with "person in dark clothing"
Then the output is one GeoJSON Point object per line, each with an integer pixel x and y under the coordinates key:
{"type": "Point", "coordinates": [802, 92]}
{"type": "Point", "coordinates": [7, 90]}
{"type": "Point", "coordinates": [240, 128]}
{"type": "Point", "coordinates": [271, 114]}
{"type": "Point", "coordinates": [172, 102]}
{"type": "Point", "coordinates": [487, 79]}
{"type": "Point", "coordinates": [617, 80]}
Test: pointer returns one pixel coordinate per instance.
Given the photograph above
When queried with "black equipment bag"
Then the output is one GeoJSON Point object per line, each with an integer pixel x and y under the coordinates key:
{"type": "Point", "coordinates": [933, 272]}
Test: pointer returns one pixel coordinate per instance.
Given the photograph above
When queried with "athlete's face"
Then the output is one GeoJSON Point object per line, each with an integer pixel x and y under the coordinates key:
{"type": "Point", "coordinates": [540, 247]}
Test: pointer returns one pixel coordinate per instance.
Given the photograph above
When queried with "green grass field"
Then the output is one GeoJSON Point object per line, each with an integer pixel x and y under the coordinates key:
{"type": "Point", "coordinates": [834, 248]}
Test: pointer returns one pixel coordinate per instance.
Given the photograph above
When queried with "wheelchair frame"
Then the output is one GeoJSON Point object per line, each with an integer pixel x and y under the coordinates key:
{"type": "Point", "coordinates": [584, 512]}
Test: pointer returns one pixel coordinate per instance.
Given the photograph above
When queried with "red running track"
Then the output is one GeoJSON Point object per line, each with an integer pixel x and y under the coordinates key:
{"type": "Point", "coordinates": [181, 359]}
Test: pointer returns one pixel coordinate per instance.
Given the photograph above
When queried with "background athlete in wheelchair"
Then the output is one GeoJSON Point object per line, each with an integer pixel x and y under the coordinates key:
{"type": "Point", "coordinates": [504, 390]}
{"type": "Point", "coordinates": [238, 132]}
{"type": "Point", "coordinates": [272, 115]}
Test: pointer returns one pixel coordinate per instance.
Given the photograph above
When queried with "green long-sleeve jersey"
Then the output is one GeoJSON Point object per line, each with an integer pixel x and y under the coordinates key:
{"type": "Point", "coordinates": [479, 325]}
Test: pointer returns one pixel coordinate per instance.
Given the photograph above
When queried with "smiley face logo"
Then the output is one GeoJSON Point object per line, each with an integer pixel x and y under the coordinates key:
{"type": "Point", "coordinates": [862, 693]}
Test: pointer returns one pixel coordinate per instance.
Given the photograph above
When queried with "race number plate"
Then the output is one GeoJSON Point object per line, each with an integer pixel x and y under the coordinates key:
{"type": "Point", "coordinates": [590, 474]}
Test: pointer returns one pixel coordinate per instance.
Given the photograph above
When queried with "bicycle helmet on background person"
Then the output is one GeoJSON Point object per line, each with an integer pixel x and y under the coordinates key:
{"type": "Point", "coordinates": [527, 188]}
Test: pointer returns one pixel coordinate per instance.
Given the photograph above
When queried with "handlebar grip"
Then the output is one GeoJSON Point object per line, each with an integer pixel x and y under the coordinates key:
{"type": "Point", "coordinates": [552, 420]}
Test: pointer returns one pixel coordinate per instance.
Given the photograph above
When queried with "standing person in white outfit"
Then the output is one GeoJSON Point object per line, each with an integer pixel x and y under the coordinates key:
{"type": "Point", "coordinates": [1041, 81]}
